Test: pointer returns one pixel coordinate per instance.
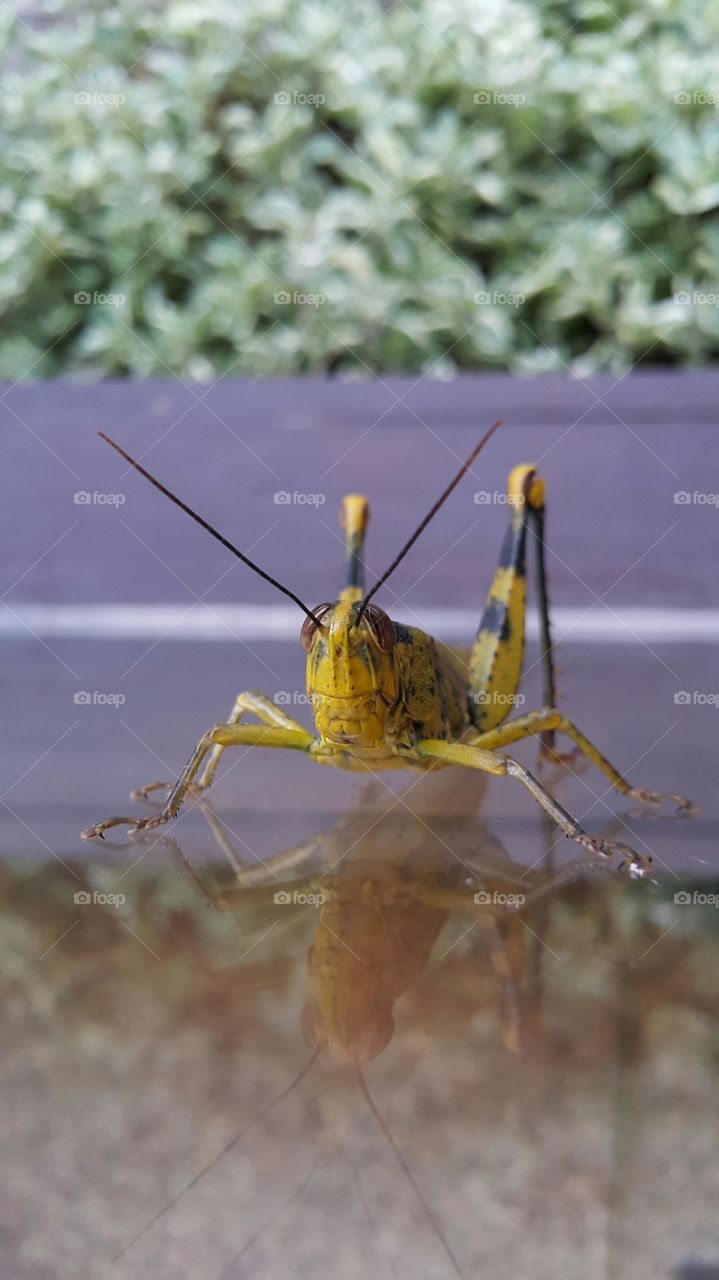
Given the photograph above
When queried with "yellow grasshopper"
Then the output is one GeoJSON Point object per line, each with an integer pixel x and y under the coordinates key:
{"type": "Point", "coordinates": [389, 696]}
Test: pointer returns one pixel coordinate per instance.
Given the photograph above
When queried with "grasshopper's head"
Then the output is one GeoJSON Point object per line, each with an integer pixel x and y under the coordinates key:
{"type": "Point", "coordinates": [351, 670]}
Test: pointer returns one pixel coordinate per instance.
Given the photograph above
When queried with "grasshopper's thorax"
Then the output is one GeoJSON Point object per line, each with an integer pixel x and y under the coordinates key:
{"type": "Point", "coordinates": [351, 673]}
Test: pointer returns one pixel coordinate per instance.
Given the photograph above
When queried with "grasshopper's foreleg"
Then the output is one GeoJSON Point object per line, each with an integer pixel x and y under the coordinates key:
{"type": "Point", "coordinates": [549, 719]}
{"type": "Point", "coordinates": [251, 702]}
{"type": "Point", "coordinates": [224, 735]}
{"type": "Point", "coordinates": [476, 757]}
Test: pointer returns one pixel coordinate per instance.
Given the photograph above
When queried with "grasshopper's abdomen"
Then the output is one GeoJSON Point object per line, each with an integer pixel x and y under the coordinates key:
{"type": "Point", "coordinates": [433, 686]}
{"type": "Point", "coordinates": [371, 942]}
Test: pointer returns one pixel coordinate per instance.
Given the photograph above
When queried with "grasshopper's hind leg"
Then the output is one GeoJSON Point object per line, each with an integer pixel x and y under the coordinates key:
{"type": "Point", "coordinates": [251, 702]}
{"type": "Point", "coordinates": [498, 651]}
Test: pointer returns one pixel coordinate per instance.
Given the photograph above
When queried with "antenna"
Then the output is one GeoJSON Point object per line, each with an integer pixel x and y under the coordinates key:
{"type": "Point", "coordinates": [405, 1168]}
{"type": "Point", "coordinates": [423, 523]}
{"type": "Point", "coordinates": [220, 538]}
{"type": "Point", "coordinates": [220, 1155]}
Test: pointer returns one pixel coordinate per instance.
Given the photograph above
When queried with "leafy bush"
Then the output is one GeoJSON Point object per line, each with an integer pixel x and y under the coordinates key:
{"type": "Point", "coordinates": [276, 187]}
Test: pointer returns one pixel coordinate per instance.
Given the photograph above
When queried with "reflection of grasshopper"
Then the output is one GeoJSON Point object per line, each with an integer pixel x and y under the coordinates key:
{"type": "Point", "coordinates": [388, 696]}
{"type": "Point", "coordinates": [395, 868]}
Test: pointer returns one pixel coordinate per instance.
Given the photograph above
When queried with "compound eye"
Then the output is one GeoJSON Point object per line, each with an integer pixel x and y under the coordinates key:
{"type": "Point", "coordinates": [381, 628]}
{"type": "Point", "coordinates": [309, 627]}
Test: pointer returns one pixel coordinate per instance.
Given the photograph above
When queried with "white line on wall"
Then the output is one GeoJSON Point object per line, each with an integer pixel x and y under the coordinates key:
{"type": "Point", "coordinates": [250, 622]}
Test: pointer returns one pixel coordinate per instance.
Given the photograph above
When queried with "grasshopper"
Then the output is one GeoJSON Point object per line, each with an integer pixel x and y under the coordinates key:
{"type": "Point", "coordinates": [389, 696]}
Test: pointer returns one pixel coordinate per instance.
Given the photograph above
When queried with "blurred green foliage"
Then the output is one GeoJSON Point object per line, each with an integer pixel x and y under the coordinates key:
{"type": "Point", "coordinates": [447, 184]}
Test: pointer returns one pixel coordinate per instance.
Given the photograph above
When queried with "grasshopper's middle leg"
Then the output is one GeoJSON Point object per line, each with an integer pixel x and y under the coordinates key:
{"type": "Point", "coordinates": [225, 735]}
{"type": "Point", "coordinates": [477, 757]}
{"type": "Point", "coordinates": [251, 702]}
{"type": "Point", "coordinates": [549, 719]}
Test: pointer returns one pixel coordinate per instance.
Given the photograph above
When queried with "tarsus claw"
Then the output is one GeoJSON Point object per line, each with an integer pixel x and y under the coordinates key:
{"type": "Point", "coordinates": [655, 798]}
{"type": "Point", "coordinates": [141, 793]}
{"type": "Point", "coordinates": [135, 824]}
